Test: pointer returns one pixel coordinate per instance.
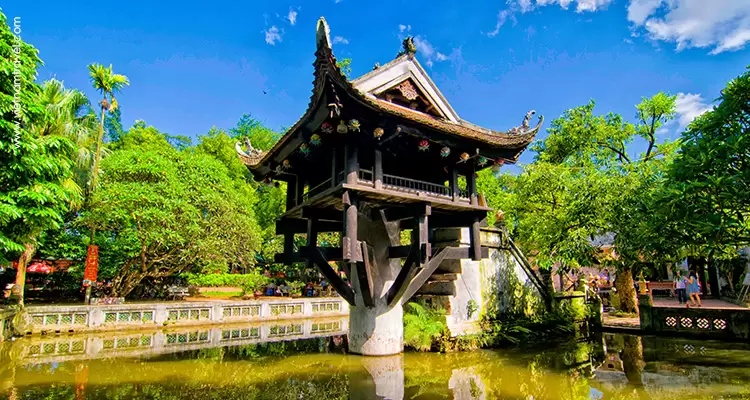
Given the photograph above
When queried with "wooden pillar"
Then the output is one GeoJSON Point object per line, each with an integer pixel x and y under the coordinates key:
{"type": "Point", "coordinates": [454, 183]}
{"type": "Point", "coordinates": [333, 168]}
{"type": "Point", "coordinates": [349, 238]}
{"type": "Point", "coordinates": [351, 163]}
{"type": "Point", "coordinates": [291, 194]}
{"type": "Point", "coordinates": [471, 184]}
{"type": "Point", "coordinates": [476, 241]}
{"type": "Point", "coordinates": [421, 234]}
{"type": "Point", "coordinates": [377, 179]}
{"type": "Point", "coordinates": [300, 188]}
{"type": "Point", "coordinates": [312, 239]}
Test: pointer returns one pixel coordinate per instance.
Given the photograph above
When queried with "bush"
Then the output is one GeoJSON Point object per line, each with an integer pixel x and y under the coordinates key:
{"type": "Point", "coordinates": [249, 283]}
{"type": "Point", "coordinates": [422, 326]}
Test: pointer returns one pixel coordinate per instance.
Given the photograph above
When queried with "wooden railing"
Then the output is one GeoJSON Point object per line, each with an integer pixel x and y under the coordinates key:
{"type": "Point", "coordinates": [391, 182]}
{"type": "Point", "coordinates": [312, 192]}
{"type": "Point", "coordinates": [413, 185]}
{"type": "Point", "coordinates": [365, 175]}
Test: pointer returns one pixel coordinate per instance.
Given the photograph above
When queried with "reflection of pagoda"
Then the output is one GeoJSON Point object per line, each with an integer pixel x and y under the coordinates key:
{"type": "Point", "coordinates": [370, 158]}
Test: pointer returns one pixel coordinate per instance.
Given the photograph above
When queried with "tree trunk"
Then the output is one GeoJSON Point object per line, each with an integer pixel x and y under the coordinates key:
{"type": "Point", "coordinates": [124, 283]}
{"type": "Point", "coordinates": [23, 262]}
{"type": "Point", "coordinates": [626, 290]}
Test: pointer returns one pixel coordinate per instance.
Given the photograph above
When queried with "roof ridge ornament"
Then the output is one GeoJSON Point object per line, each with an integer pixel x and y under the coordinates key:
{"type": "Point", "coordinates": [408, 47]}
{"type": "Point", "coordinates": [524, 128]}
{"type": "Point", "coordinates": [323, 32]}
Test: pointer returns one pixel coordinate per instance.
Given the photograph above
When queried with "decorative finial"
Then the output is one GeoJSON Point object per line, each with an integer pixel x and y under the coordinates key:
{"type": "Point", "coordinates": [409, 47]}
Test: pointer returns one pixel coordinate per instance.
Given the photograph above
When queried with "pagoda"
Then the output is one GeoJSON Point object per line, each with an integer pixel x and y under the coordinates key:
{"type": "Point", "coordinates": [373, 157]}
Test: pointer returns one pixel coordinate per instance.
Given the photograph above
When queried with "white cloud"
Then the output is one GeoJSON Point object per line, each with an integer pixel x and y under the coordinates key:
{"type": "Point", "coordinates": [340, 39]}
{"type": "Point", "coordinates": [581, 5]}
{"type": "Point", "coordinates": [639, 10]}
{"type": "Point", "coordinates": [688, 106]}
{"type": "Point", "coordinates": [424, 47]}
{"type": "Point", "coordinates": [502, 17]}
{"type": "Point", "coordinates": [273, 35]}
{"type": "Point", "coordinates": [404, 28]}
{"type": "Point", "coordinates": [722, 25]}
{"type": "Point", "coordinates": [431, 55]}
{"type": "Point", "coordinates": [292, 17]}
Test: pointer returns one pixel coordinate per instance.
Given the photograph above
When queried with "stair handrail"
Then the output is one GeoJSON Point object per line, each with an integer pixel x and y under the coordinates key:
{"type": "Point", "coordinates": [526, 266]}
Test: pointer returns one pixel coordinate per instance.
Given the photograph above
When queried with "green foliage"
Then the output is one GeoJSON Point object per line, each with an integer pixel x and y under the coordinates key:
{"type": "Point", "coordinates": [422, 326]}
{"type": "Point", "coordinates": [707, 195]}
{"type": "Point", "coordinates": [174, 210]}
{"type": "Point", "coordinates": [250, 283]}
{"type": "Point", "coordinates": [345, 65]}
{"type": "Point", "coordinates": [261, 137]}
{"type": "Point", "coordinates": [34, 178]}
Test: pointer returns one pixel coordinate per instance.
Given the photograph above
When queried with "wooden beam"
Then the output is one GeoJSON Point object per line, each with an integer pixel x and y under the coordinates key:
{"type": "Point", "coordinates": [351, 163]}
{"type": "Point", "coordinates": [395, 134]}
{"type": "Point", "coordinates": [291, 258]}
{"type": "Point", "coordinates": [422, 277]}
{"type": "Point", "coordinates": [364, 275]}
{"type": "Point", "coordinates": [454, 183]}
{"type": "Point", "coordinates": [349, 238]}
{"type": "Point", "coordinates": [377, 178]}
{"type": "Point", "coordinates": [300, 189]}
{"type": "Point", "coordinates": [399, 251]}
{"type": "Point", "coordinates": [329, 253]}
{"type": "Point", "coordinates": [323, 214]}
{"type": "Point", "coordinates": [333, 168]}
{"type": "Point", "coordinates": [422, 236]}
{"type": "Point", "coordinates": [341, 287]}
{"type": "Point", "coordinates": [453, 253]}
{"type": "Point", "coordinates": [297, 225]}
{"type": "Point", "coordinates": [291, 194]}
{"type": "Point", "coordinates": [476, 240]}
{"type": "Point", "coordinates": [407, 211]}
{"type": "Point", "coordinates": [312, 238]}
{"type": "Point", "coordinates": [463, 253]}
{"type": "Point", "coordinates": [471, 184]}
{"type": "Point", "coordinates": [457, 220]}
{"type": "Point", "coordinates": [404, 276]}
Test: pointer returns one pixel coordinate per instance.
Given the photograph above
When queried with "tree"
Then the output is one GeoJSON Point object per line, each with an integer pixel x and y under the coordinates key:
{"type": "Point", "coordinates": [35, 169]}
{"type": "Point", "coordinates": [586, 181]}
{"type": "Point", "coordinates": [170, 211]}
{"type": "Point", "coordinates": [107, 83]}
{"type": "Point", "coordinates": [345, 65]}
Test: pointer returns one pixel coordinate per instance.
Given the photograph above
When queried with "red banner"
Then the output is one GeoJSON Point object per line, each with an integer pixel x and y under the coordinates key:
{"type": "Point", "coordinates": [92, 265]}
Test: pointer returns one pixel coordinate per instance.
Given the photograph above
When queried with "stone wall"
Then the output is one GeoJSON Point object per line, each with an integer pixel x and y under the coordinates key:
{"type": "Point", "coordinates": [82, 318]}
{"type": "Point", "coordinates": [709, 323]}
{"type": "Point", "coordinates": [496, 287]}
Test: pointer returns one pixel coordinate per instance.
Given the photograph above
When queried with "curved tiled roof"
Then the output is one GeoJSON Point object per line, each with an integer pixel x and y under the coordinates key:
{"type": "Point", "coordinates": [325, 66]}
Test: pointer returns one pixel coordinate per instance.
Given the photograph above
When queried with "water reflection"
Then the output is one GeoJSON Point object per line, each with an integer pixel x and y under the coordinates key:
{"type": "Point", "coordinates": [239, 363]}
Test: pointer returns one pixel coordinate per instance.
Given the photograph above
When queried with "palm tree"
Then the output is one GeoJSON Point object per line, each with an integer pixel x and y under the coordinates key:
{"type": "Point", "coordinates": [70, 116]}
{"type": "Point", "coordinates": [107, 83]}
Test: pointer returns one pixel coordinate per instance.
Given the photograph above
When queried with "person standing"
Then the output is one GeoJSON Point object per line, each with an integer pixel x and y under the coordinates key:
{"type": "Point", "coordinates": [680, 288]}
{"type": "Point", "coordinates": [694, 289]}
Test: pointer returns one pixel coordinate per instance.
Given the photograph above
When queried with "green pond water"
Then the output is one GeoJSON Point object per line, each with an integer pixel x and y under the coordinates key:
{"type": "Point", "coordinates": [194, 365]}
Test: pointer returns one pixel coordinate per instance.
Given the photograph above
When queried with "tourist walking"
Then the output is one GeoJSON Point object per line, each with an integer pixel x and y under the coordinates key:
{"type": "Point", "coordinates": [694, 290]}
{"type": "Point", "coordinates": [680, 288]}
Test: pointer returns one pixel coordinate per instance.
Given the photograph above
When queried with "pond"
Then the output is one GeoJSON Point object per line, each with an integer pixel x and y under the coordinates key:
{"type": "Point", "coordinates": [128, 366]}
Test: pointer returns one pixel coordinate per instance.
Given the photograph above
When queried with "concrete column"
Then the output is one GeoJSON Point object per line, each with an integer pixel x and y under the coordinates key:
{"type": "Point", "coordinates": [377, 330]}
{"type": "Point", "coordinates": [382, 378]}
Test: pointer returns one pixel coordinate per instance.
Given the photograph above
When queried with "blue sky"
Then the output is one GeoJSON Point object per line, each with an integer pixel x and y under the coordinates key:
{"type": "Point", "coordinates": [193, 66]}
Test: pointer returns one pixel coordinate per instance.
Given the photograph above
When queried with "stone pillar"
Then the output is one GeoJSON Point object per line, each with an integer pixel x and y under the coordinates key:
{"type": "Point", "coordinates": [382, 378]}
{"type": "Point", "coordinates": [645, 303]}
{"type": "Point", "coordinates": [377, 330]}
